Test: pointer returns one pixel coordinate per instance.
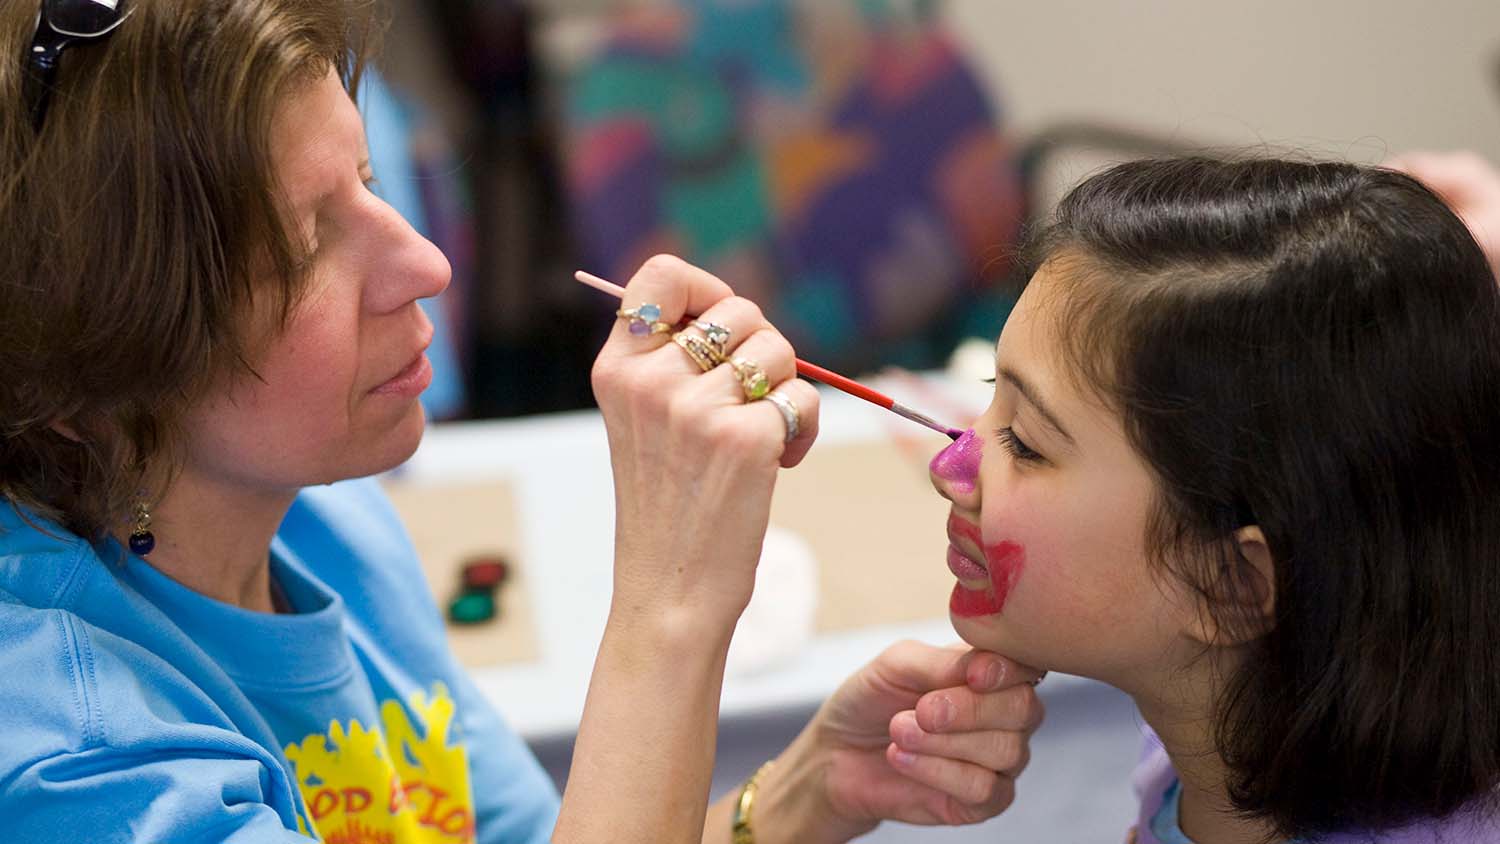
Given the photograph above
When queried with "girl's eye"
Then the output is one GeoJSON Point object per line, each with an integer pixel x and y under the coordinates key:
{"type": "Point", "coordinates": [1017, 446]}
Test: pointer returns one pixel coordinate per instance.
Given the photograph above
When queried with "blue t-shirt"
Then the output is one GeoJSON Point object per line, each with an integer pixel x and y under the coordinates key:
{"type": "Point", "coordinates": [134, 709]}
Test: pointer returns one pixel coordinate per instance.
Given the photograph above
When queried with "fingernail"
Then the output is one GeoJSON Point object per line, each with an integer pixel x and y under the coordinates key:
{"type": "Point", "coordinates": [903, 758]}
{"type": "Point", "coordinates": [991, 679]}
{"type": "Point", "coordinates": [944, 714]}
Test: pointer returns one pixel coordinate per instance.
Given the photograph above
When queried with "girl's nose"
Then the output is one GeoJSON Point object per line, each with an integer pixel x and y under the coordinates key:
{"type": "Point", "coordinates": [955, 469]}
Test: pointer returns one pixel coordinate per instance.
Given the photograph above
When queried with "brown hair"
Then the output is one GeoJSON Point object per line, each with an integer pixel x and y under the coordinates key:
{"type": "Point", "coordinates": [1313, 348]}
{"type": "Point", "coordinates": [142, 227]}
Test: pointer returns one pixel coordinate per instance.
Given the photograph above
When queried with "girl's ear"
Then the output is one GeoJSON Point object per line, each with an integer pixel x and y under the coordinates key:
{"type": "Point", "coordinates": [1240, 605]}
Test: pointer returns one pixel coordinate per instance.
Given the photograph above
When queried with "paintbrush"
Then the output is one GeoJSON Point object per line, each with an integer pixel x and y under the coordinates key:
{"type": "Point", "coordinates": [815, 372]}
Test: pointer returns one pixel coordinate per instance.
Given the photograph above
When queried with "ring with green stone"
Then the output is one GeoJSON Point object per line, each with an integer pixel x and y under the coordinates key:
{"type": "Point", "coordinates": [752, 378]}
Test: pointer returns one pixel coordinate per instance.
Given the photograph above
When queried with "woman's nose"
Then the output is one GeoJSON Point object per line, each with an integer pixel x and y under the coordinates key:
{"type": "Point", "coordinates": [955, 469]}
{"type": "Point", "coordinates": [411, 266]}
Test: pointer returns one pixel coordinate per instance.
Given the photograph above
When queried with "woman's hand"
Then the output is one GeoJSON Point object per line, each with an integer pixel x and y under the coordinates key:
{"type": "Point", "coordinates": [694, 461]}
{"type": "Point", "coordinates": [922, 735]}
{"type": "Point", "coordinates": [1469, 184]}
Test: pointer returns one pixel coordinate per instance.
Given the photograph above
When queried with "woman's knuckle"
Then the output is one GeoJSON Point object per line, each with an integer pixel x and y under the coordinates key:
{"type": "Point", "coordinates": [681, 412]}
{"type": "Point", "coordinates": [661, 263]}
{"type": "Point", "coordinates": [977, 790]}
{"type": "Point", "coordinates": [749, 311]}
{"type": "Point", "coordinates": [1020, 705]}
{"type": "Point", "coordinates": [963, 813]}
{"type": "Point", "coordinates": [1009, 751]}
{"type": "Point", "coordinates": [777, 346]}
{"type": "Point", "coordinates": [899, 652]}
{"type": "Point", "coordinates": [1023, 756]}
{"type": "Point", "coordinates": [724, 431]}
{"type": "Point", "coordinates": [602, 374]}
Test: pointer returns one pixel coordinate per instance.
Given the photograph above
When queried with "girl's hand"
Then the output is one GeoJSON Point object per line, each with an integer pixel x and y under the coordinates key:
{"type": "Point", "coordinates": [694, 461]}
{"type": "Point", "coordinates": [922, 735]}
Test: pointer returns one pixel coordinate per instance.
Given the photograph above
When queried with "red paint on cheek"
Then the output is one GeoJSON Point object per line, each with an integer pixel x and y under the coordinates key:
{"type": "Point", "coordinates": [1005, 561]}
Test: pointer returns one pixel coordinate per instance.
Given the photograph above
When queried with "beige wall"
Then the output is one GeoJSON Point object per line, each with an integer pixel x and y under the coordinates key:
{"type": "Point", "coordinates": [1337, 77]}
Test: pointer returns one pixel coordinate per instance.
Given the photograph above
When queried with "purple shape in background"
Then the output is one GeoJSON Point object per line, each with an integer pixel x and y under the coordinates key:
{"type": "Point", "coordinates": [843, 227]}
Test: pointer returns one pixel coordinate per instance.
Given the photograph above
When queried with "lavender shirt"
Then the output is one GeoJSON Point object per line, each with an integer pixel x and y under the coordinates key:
{"type": "Point", "coordinates": [1154, 780]}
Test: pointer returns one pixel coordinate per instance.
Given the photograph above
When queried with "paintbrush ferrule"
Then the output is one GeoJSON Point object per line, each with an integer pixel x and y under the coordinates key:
{"type": "Point", "coordinates": [921, 419]}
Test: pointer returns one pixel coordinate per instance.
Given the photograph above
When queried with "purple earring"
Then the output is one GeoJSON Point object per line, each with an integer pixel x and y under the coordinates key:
{"type": "Point", "coordinates": [142, 540]}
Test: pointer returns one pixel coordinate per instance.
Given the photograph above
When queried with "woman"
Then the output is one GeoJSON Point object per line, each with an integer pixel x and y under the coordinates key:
{"type": "Point", "coordinates": [205, 314]}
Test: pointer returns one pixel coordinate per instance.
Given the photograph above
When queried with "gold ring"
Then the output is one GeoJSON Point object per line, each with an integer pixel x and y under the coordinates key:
{"type": "Point", "coordinates": [644, 319]}
{"type": "Point", "coordinates": [698, 349]}
{"type": "Point", "coordinates": [752, 378]}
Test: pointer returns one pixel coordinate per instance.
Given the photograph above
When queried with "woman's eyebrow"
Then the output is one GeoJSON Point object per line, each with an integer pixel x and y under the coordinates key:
{"type": "Point", "coordinates": [1035, 399]}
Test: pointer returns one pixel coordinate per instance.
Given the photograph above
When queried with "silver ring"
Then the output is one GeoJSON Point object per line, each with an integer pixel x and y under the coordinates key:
{"type": "Point", "coordinates": [789, 414]}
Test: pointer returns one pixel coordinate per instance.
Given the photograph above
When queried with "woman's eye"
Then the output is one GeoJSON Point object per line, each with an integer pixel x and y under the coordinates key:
{"type": "Point", "coordinates": [1016, 446]}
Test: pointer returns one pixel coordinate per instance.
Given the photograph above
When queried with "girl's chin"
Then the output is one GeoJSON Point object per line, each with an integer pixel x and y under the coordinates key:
{"type": "Point", "coordinates": [987, 633]}
{"type": "Point", "coordinates": [982, 632]}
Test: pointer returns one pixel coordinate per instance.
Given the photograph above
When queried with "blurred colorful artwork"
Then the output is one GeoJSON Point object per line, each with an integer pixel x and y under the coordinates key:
{"type": "Point", "coordinates": [836, 161]}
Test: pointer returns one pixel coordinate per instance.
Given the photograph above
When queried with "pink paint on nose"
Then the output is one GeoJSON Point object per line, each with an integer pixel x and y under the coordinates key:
{"type": "Point", "coordinates": [958, 464]}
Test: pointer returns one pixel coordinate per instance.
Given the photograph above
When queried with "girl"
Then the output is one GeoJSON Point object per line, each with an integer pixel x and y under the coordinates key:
{"type": "Point", "coordinates": [1239, 464]}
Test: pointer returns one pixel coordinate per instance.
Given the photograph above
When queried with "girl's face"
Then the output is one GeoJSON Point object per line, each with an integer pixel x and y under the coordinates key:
{"type": "Point", "coordinates": [336, 395]}
{"type": "Point", "coordinates": [1048, 520]}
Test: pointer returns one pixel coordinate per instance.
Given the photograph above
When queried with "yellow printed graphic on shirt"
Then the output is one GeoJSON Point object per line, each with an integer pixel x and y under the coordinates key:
{"type": "Point", "coordinates": [402, 783]}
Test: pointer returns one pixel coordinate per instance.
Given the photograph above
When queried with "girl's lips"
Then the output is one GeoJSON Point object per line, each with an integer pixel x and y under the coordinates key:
{"type": "Point", "coordinates": [965, 567]}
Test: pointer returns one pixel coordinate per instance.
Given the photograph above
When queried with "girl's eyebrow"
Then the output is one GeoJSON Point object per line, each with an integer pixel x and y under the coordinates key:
{"type": "Point", "coordinates": [1031, 395]}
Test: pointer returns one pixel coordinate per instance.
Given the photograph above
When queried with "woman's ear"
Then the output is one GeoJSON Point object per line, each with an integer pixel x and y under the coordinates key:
{"type": "Point", "coordinates": [1240, 604]}
{"type": "Point", "coordinates": [65, 430]}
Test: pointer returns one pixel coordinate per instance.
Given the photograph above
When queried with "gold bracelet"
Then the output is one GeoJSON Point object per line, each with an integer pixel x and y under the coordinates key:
{"type": "Point", "coordinates": [742, 832]}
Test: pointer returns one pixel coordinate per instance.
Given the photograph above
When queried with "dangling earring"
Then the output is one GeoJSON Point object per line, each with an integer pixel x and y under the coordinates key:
{"type": "Point", "coordinates": [142, 540]}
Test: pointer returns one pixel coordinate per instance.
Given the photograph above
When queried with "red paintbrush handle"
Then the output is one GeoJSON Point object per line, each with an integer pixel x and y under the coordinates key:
{"type": "Point", "coordinates": [848, 385]}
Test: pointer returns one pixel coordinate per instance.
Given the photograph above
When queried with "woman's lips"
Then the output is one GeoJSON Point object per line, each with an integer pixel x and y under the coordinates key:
{"type": "Point", "coordinates": [411, 381]}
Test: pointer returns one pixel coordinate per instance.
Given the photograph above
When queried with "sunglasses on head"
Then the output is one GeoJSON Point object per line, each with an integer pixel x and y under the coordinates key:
{"type": "Point", "coordinates": [59, 23]}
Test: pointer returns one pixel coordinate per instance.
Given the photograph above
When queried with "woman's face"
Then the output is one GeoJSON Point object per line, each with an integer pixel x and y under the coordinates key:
{"type": "Point", "coordinates": [336, 395]}
{"type": "Point", "coordinates": [1048, 519]}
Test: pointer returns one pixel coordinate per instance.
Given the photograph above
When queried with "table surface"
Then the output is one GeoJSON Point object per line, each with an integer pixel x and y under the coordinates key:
{"type": "Point", "coordinates": [556, 467]}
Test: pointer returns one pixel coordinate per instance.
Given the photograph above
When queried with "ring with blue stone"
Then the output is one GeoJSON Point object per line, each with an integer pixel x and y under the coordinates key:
{"type": "Point", "coordinates": [716, 335]}
{"type": "Point", "coordinates": [644, 318]}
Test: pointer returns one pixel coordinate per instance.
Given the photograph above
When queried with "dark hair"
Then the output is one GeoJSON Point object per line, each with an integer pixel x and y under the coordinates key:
{"type": "Point", "coordinates": [143, 227]}
{"type": "Point", "coordinates": [1313, 348]}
